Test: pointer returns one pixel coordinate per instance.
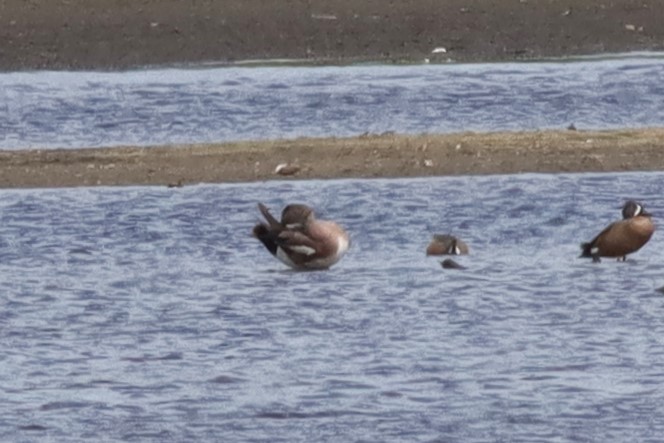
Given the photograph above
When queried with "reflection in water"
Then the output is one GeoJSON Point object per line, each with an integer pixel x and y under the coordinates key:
{"type": "Point", "coordinates": [153, 107]}
{"type": "Point", "coordinates": [151, 314]}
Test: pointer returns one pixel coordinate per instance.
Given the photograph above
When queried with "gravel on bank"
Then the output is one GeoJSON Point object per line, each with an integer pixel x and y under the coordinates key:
{"type": "Point", "coordinates": [366, 156]}
{"type": "Point", "coordinates": [121, 34]}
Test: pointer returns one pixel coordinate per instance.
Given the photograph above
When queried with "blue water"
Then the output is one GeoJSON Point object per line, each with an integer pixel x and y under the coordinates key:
{"type": "Point", "coordinates": [150, 314]}
{"type": "Point", "coordinates": [156, 107]}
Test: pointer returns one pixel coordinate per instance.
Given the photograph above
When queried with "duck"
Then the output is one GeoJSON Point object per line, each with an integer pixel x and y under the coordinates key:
{"type": "Point", "coordinates": [445, 244]}
{"type": "Point", "coordinates": [300, 240]}
{"type": "Point", "coordinates": [622, 237]}
{"type": "Point", "coordinates": [448, 263]}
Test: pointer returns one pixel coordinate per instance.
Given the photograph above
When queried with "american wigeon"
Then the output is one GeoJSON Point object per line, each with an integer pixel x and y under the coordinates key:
{"type": "Point", "coordinates": [622, 237]}
{"type": "Point", "coordinates": [443, 244]}
{"type": "Point", "coordinates": [300, 240]}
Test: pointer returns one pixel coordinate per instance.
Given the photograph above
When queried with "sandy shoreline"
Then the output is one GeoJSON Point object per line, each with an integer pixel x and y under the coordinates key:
{"type": "Point", "coordinates": [118, 34]}
{"type": "Point", "coordinates": [359, 157]}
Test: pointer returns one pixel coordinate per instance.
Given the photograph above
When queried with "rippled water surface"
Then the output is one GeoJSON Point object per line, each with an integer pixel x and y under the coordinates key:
{"type": "Point", "coordinates": [150, 314]}
{"type": "Point", "coordinates": [154, 107]}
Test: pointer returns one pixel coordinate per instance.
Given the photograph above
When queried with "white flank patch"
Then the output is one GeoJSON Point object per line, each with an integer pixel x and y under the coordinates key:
{"type": "Point", "coordinates": [457, 251]}
{"type": "Point", "coordinates": [294, 226]}
{"type": "Point", "coordinates": [342, 245]}
{"type": "Point", "coordinates": [281, 255]}
{"type": "Point", "coordinates": [302, 249]}
{"type": "Point", "coordinates": [594, 250]}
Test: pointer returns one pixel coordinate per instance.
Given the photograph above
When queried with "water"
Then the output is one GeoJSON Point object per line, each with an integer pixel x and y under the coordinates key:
{"type": "Point", "coordinates": [157, 107]}
{"type": "Point", "coordinates": [150, 314]}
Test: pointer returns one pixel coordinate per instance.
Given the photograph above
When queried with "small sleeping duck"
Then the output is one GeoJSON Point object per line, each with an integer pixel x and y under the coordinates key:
{"type": "Point", "coordinates": [300, 240]}
{"type": "Point", "coordinates": [443, 244]}
{"type": "Point", "coordinates": [623, 237]}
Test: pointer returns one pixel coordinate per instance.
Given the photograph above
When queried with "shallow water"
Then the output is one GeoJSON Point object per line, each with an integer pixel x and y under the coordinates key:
{"type": "Point", "coordinates": [150, 314]}
{"type": "Point", "coordinates": [155, 107]}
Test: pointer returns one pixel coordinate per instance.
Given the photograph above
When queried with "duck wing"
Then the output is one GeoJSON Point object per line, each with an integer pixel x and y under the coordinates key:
{"type": "Point", "coordinates": [298, 242]}
{"type": "Point", "coordinates": [273, 222]}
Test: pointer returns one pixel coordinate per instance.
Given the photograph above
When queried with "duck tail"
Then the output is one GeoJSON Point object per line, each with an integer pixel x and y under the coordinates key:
{"type": "Point", "coordinates": [273, 222]}
{"type": "Point", "coordinates": [266, 236]}
{"type": "Point", "coordinates": [586, 250]}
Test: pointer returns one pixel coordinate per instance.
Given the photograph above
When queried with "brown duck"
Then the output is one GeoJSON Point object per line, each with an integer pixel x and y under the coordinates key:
{"type": "Point", "coordinates": [300, 240]}
{"type": "Point", "coordinates": [444, 244]}
{"type": "Point", "coordinates": [623, 237]}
